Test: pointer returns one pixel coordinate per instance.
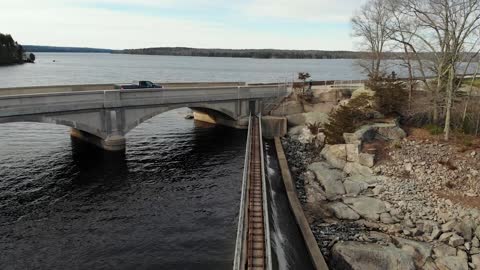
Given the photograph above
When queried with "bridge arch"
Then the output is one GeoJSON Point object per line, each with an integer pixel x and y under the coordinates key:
{"type": "Point", "coordinates": [218, 114]}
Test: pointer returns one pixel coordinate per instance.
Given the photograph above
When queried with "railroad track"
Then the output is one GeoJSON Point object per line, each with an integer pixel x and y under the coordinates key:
{"type": "Point", "coordinates": [253, 239]}
{"type": "Point", "coordinates": [256, 253]}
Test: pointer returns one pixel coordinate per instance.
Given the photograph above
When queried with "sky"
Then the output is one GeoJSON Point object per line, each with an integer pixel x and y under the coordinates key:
{"type": "Point", "coordinates": [126, 24]}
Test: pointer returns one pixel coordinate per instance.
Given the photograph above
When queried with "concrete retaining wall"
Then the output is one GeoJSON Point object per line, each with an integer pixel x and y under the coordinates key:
{"type": "Point", "coordinates": [273, 126]}
{"type": "Point", "coordinates": [310, 243]}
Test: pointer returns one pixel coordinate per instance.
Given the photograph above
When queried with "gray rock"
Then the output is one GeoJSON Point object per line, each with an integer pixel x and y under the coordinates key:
{"type": "Point", "coordinates": [369, 208]}
{"type": "Point", "coordinates": [477, 232]}
{"type": "Point", "coordinates": [419, 251]}
{"type": "Point", "coordinates": [316, 117]}
{"type": "Point", "coordinates": [377, 190]}
{"type": "Point", "coordinates": [435, 234]}
{"type": "Point", "coordinates": [342, 211]}
{"type": "Point", "coordinates": [353, 152]}
{"type": "Point", "coordinates": [369, 179]}
{"type": "Point", "coordinates": [386, 218]}
{"type": "Point", "coordinates": [329, 178]}
{"type": "Point", "coordinates": [296, 119]}
{"type": "Point", "coordinates": [476, 260]}
{"type": "Point", "coordinates": [428, 226]}
{"type": "Point", "coordinates": [313, 191]}
{"type": "Point", "coordinates": [287, 108]}
{"type": "Point", "coordinates": [361, 256]}
{"type": "Point", "coordinates": [442, 250]}
{"type": "Point", "coordinates": [445, 237]}
{"type": "Point", "coordinates": [429, 265]}
{"type": "Point", "coordinates": [462, 254]}
{"type": "Point", "coordinates": [475, 242]}
{"type": "Point", "coordinates": [391, 132]}
{"type": "Point", "coordinates": [456, 240]}
{"type": "Point", "coordinates": [451, 263]}
{"type": "Point", "coordinates": [353, 168]}
{"type": "Point", "coordinates": [449, 226]}
{"type": "Point", "coordinates": [366, 159]}
{"type": "Point", "coordinates": [336, 155]}
{"type": "Point", "coordinates": [465, 229]}
{"type": "Point", "coordinates": [354, 187]}
{"type": "Point", "coordinates": [295, 131]}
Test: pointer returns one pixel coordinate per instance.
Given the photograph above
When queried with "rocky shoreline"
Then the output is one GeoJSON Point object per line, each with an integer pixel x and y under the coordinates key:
{"type": "Point", "coordinates": [389, 215]}
{"type": "Point", "coordinates": [383, 200]}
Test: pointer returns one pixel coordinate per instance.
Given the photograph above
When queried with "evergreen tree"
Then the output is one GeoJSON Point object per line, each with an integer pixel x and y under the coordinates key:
{"type": "Point", "coordinates": [10, 51]}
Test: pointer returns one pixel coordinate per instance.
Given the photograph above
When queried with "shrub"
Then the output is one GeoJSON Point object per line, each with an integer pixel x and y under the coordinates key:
{"type": "Point", "coordinates": [390, 95]}
{"type": "Point", "coordinates": [434, 129]}
{"type": "Point", "coordinates": [314, 128]}
{"type": "Point", "coordinates": [347, 118]}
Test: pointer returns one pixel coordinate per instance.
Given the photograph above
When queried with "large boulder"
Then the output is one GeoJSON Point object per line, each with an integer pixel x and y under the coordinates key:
{"type": "Point", "coordinates": [342, 211]}
{"type": "Point", "coordinates": [477, 231]}
{"type": "Point", "coordinates": [316, 117]}
{"type": "Point", "coordinates": [366, 159]}
{"type": "Point", "coordinates": [371, 180]}
{"type": "Point", "coordinates": [391, 132]}
{"type": "Point", "coordinates": [354, 168]}
{"type": "Point", "coordinates": [296, 131]}
{"type": "Point", "coordinates": [336, 155]}
{"type": "Point", "coordinates": [329, 178]}
{"type": "Point", "coordinates": [452, 263]}
{"type": "Point", "coordinates": [419, 251]}
{"type": "Point", "coordinates": [362, 256]}
{"type": "Point", "coordinates": [288, 108]}
{"type": "Point", "coordinates": [388, 131]}
{"type": "Point", "coordinates": [330, 95]}
{"type": "Point", "coordinates": [313, 191]}
{"type": "Point", "coordinates": [296, 119]}
{"type": "Point", "coordinates": [354, 187]}
{"type": "Point", "coordinates": [367, 207]}
{"type": "Point", "coordinates": [307, 118]}
{"type": "Point", "coordinates": [326, 107]}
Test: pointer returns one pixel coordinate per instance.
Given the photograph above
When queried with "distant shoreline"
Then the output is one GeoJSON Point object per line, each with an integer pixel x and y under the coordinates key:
{"type": "Point", "coordinates": [245, 53]}
{"type": "Point", "coordinates": [230, 53]}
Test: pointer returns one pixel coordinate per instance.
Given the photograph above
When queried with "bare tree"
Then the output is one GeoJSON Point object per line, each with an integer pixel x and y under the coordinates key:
{"type": "Point", "coordinates": [444, 32]}
{"type": "Point", "coordinates": [370, 25]}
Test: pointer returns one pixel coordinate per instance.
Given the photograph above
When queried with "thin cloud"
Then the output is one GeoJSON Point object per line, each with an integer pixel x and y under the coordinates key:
{"type": "Point", "coordinates": [81, 23]}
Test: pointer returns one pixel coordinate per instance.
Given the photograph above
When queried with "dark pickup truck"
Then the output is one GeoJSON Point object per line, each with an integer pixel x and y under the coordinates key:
{"type": "Point", "coordinates": [137, 85]}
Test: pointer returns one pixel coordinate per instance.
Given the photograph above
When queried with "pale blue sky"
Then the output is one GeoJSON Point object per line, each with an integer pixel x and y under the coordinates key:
{"type": "Point", "coordinates": [117, 24]}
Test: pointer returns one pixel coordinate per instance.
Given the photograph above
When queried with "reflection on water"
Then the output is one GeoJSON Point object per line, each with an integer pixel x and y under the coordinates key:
{"type": "Point", "coordinates": [169, 202]}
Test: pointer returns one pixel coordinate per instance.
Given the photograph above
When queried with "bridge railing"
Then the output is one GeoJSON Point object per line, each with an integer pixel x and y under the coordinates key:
{"type": "Point", "coordinates": [85, 100]}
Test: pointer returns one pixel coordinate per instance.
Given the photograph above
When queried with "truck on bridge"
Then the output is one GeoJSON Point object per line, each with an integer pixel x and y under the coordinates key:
{"type": "Point", "coordinates": [137, 85]}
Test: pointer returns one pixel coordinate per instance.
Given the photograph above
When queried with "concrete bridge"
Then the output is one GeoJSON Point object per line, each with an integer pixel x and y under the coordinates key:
{"type": "Point", "coordinates": [103, 117]}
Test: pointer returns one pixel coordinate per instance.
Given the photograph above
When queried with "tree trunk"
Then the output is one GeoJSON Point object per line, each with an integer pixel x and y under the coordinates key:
{"type": "Point", "coordinates": [478, 124]}
{"type": "Point", "coordinates": [451, 75]}
{"type": "Point", "coordinates": [464, 116]}
{"type": "Point", "coordinates": [435, 99]}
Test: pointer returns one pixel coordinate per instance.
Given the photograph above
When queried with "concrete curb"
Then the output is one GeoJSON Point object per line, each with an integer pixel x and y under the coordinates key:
{"type": "Point", "coordinates": [311, 244]}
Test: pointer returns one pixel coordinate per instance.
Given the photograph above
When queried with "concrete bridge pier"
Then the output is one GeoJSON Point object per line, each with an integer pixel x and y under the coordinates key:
{"type": "Point", "coordinates": [111, 143]}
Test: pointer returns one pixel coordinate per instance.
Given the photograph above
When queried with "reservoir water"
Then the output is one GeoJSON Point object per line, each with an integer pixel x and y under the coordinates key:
{"type": "Point", "coordinates": [170, 202]}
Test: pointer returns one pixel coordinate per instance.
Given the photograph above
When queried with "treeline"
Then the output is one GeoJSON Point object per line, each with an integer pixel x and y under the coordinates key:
{"type": "Point", "coordinates": [10, 51]}
{"type": "Point", "coordinates": [245, 53]}
{"type": "Point", "coordinates": [35, 48]}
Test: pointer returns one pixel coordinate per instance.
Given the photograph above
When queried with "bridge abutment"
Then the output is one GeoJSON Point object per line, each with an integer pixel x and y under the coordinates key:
{"type": "Point", "coordinates": [111, 143]}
